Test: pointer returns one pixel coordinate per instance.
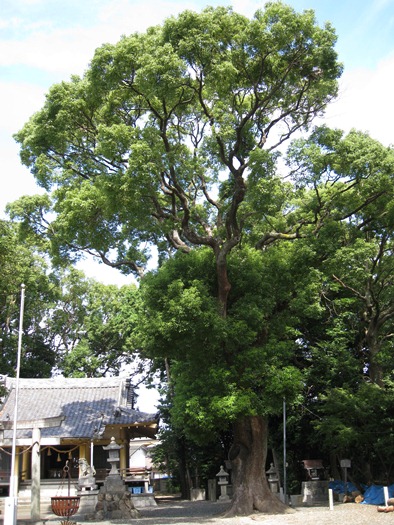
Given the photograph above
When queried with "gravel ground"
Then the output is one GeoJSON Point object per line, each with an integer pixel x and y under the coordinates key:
{"type": "Point", "coordinates": [205, 512]}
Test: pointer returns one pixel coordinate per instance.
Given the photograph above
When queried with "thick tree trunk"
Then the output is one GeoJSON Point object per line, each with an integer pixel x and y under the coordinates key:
{"type": "Point", "coordinates": [334, 470]}
{"type": "Point", "coordinates": [184, 472]}
{"type": "Point", "coordinates": [224, 285]}
{"type": "Point", "coordinates": [375, 369]}
{"type": "Point", "coordinates": [248, 457]}
{"type": "Point", "coordinates": [248, 453]}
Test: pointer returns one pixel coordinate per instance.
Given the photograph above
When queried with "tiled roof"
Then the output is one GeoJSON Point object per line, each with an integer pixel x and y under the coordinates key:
{"type": "Point", "coordinates": [85, 406]}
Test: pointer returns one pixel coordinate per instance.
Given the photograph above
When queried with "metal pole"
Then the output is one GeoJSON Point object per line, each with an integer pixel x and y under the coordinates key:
{"type": "Point", "coordinates": [284, 453]}
{"type": "Point", "coordinates": [10, 508]}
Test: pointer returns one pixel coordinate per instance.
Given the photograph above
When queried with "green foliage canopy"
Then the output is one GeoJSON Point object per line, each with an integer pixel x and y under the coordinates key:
{"type": "Point", "coordinates": [136, 149]}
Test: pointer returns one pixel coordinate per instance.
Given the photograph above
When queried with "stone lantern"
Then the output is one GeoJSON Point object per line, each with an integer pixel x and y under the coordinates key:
{"type": "Point", "coordinates": [113, 456]}
{"type": "Point", "coordinates": [222, 476]}
{"type": "Point", "coordinates": [273, 479]}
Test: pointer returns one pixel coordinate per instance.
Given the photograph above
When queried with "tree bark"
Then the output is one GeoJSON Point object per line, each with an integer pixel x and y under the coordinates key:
{"type": "Point", "coordinates": [334, 470]}
{"type": "Point", "coordinates": [184, 472]}
{"type": "Point", "coordinates": [248, 456]}
{"type": "Point", "coordinates": [224, 285]}
{"type": "Point", "coordinates": [375, 369]}
{"type": "Point", "coordinates": [248, 453]}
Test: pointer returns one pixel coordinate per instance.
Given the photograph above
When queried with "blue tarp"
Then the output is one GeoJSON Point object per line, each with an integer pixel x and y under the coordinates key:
{"type": "Point", "coordinates": [373, 495]}
{"type": "Point", "coordinates": [339, 487]}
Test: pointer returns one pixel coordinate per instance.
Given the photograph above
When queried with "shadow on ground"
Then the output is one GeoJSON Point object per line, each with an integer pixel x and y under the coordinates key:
{"type": "Point", "coordinates": [178, 511]}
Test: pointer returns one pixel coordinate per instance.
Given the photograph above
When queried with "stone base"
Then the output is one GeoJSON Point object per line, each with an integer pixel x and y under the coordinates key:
{"type": "Point", "coordinates": [112, 506]}
{"type": "Point", "coordinates": [146, 499]}
{"type": "Point", "coordinates": [314, 493]}
{"type": "Point", "coordinates": [87, 504]}
{"type": "Point", "coordinates": [113, 484]}
{"type": "Point", "coordinates": [296, 500]}
{"type": "Point", "coordinates": [197, 494]}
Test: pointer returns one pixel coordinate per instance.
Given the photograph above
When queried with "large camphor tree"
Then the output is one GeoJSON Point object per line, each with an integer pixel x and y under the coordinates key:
{"type": "Point", "coordinates": [161, 143]}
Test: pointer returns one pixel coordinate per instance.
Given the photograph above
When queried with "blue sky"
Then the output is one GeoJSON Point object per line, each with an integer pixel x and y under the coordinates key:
{"type": "Point", "coordinates": [46, 41]}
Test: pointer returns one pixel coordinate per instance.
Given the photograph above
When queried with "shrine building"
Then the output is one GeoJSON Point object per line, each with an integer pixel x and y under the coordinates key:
{"type": "Point", "coordinates": [62, 419]}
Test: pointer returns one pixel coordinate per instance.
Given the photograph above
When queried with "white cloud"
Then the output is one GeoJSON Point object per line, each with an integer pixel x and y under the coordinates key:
{"type": "Point", "coordinates": [125, 17]}
{"type": "Point", "coordinates": [104, 273]}
{"type": "Point", "coordinates": [59, 52]}
{"type": "Point", "coordinates": [17, 103]}
{"type": "Point", "coordinates": [68, 51]}
{"type": "Point", "coordinates": [365, 101]}
{"type": "Point", "coordinates": [28, 3]}
{"type": "Point", "coordinates": [10, 23]}
{"type": "Point", "coordinates": [247, 7]}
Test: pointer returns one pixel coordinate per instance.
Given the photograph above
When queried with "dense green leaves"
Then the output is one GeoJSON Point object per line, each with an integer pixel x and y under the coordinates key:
{"type": "Point", "coordinates": [71, 325]}
{"type": "Point", "coordinates": [365, 434]}
{"type": "Point", "coordinates": [103, 347]}
{"type": "Point", "coordinates": [19, 265]}
{"type": "Point", "coordinates": [222, 368]}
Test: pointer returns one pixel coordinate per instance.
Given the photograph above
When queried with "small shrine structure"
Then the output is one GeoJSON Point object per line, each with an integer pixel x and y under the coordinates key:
{"type": "Point", "coordinates": [314, 490]}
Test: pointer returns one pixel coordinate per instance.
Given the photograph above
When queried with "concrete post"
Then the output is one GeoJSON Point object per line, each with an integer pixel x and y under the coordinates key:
{"type": "Point", "coordinates": [35, 475]}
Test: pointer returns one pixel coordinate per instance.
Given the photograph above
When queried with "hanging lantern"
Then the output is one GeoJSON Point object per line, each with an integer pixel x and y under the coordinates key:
{"type": "Point", "coordinates": [70, 456]}
{"type": "Point", "coordinates": [58, 458]}
{"type": "Point", "coordinates": [49, 451]}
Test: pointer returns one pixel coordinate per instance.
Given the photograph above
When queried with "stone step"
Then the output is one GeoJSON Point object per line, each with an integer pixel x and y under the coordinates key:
{"type": "Point", "coordinates": [24, 510]}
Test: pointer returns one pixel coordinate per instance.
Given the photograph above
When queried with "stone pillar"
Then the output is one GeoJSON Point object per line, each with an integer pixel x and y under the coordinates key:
{"type": "Point", "coordinates": [91, 454]}
{"type": "Point", "coordinates": [212, 490]}
{"type": "Point", "coordinates": [35, 475]}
